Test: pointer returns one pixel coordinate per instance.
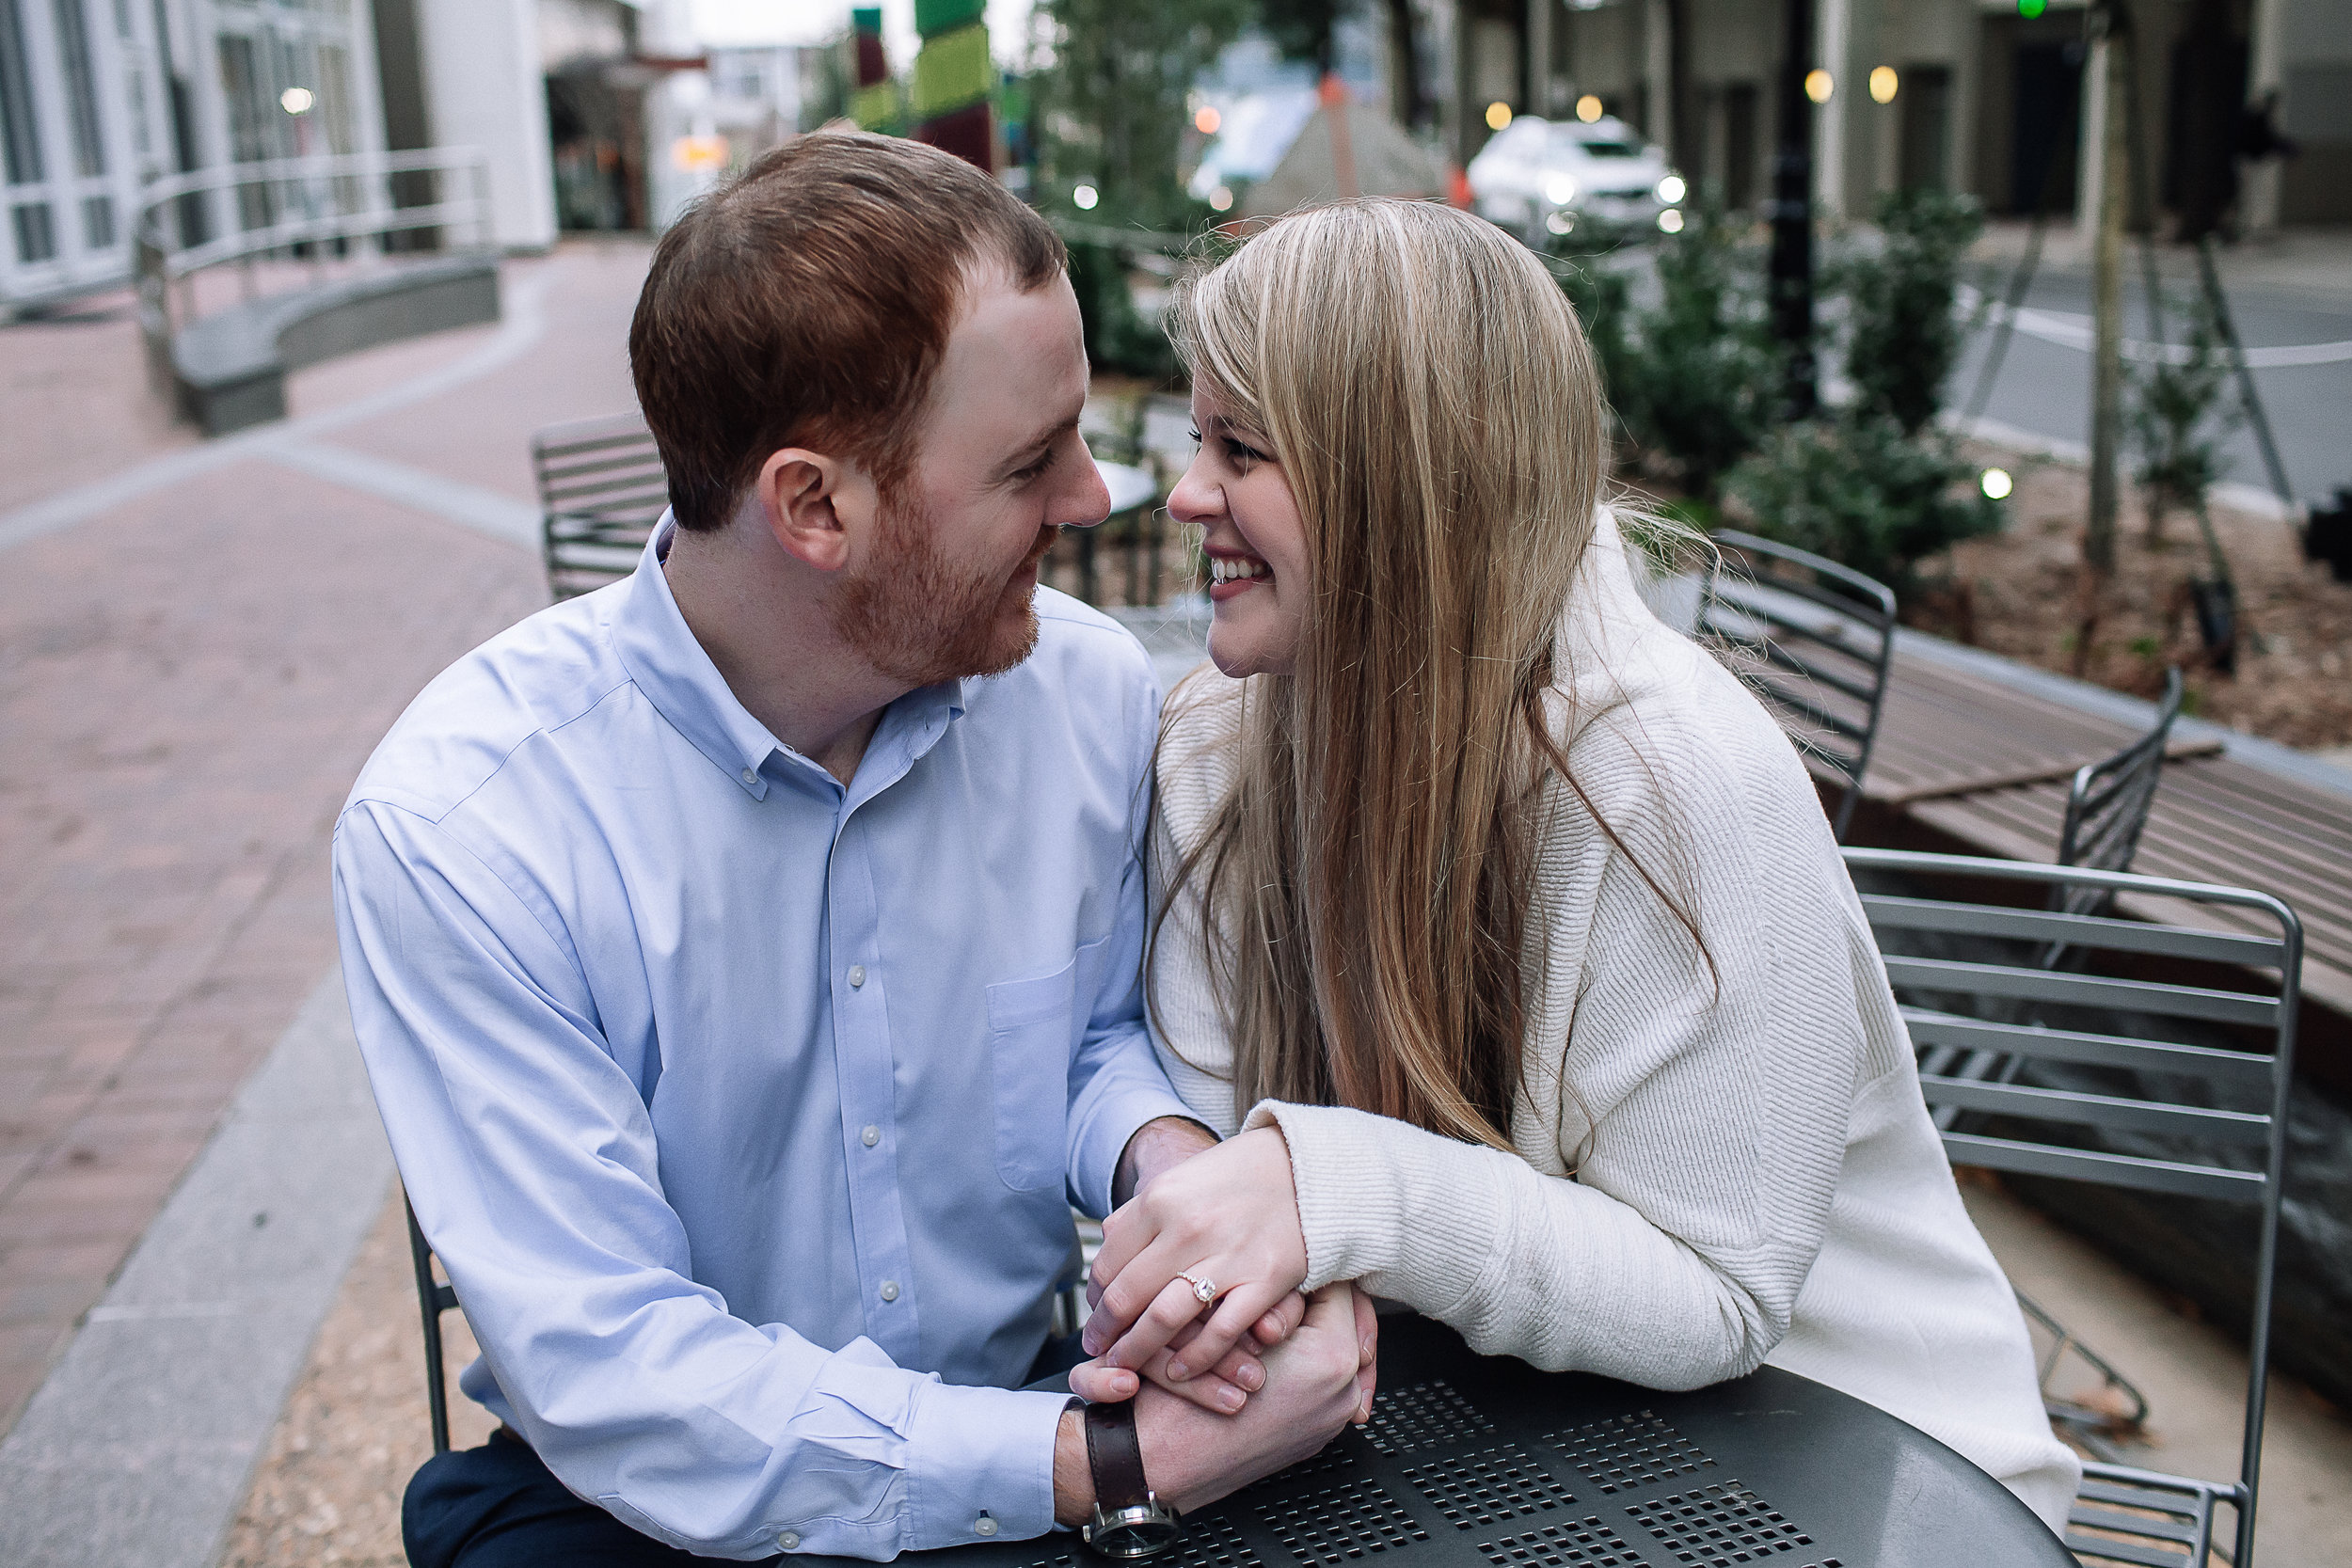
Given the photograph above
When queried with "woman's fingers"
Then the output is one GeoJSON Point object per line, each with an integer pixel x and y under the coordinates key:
{"type": "Point", "coordinates": [1125, 1235]}
{"type": "Point", "coordinates": [1219, 1334]}
{"type": "Point", "coordinates": [1143, 1282]}
{"type": "Point", "coordinates": [1168, 1311]}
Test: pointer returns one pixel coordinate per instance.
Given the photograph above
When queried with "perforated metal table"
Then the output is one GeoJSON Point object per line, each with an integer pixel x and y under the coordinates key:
{"type": "Point", "coordinates": [1481, 1461]}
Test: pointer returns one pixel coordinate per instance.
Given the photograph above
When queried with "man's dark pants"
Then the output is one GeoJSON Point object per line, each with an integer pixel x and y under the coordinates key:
{"type": "Point", "coordinates": [498, 1506]}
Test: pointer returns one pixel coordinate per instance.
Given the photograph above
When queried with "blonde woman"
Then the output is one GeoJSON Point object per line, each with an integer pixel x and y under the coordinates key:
{"type": "Point", "coordinates": [1503, 931]}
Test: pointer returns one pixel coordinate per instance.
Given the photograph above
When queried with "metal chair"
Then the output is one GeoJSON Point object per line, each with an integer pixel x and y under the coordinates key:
{"type": "Point", "coordinates": [601, 490]}
{"type": "Point", "coordinates": [1814, 640]}
{"type": "Point", "coordinates": [2106, 807]}
{"type": "Point", "coordinates": [2107, 810]}
{"type": "Point", "coordinates": [434, 1298]}
{"type": "Point", "coordinates": [2235, 1044]}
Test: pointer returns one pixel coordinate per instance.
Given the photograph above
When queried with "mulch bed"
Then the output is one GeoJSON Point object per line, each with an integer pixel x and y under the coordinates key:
{"type": "Point", "coordinates": [2020, 594]}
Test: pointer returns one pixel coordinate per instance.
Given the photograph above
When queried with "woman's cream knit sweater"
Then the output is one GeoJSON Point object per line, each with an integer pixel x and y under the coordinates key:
{"type": "Point", "coordinates": [1759, 1179]}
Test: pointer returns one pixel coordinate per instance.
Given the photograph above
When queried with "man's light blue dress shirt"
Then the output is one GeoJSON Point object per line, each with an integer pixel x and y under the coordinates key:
{"type": "Point", "coordinates": [745, 1109]}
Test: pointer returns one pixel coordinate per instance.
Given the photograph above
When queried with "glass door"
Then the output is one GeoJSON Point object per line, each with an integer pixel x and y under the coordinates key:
{"type": "Point", "coordinates": [74, 142]}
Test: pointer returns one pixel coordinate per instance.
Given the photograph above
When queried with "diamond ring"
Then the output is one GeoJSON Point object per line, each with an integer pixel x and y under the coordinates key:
{"type": "Point", "coordinates": [1203, 1290]}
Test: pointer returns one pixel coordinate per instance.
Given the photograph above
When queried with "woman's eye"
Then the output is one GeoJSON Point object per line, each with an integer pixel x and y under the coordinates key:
{"type": "Point", "coordinates": [1241, 454]}
{"type": "Point", "coordinates": [1196, 438]}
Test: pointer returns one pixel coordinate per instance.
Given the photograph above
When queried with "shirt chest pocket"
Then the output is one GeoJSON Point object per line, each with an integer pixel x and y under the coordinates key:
{"type": "Point", "coordinates": [1033, 1028]}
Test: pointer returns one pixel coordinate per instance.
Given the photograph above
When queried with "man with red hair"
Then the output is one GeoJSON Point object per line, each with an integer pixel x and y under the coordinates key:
{"type": "Point", "coordinates": [745, 955]}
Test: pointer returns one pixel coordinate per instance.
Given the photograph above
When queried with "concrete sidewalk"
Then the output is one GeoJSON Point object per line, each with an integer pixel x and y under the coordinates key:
{"type": "Point", "coordinates": [199, 644]}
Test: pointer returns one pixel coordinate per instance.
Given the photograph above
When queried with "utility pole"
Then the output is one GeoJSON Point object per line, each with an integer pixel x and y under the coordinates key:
{"type": "Point", "coordinates": [2111, 21]}
{"type": "Point", "coordinates": [1793, 212]}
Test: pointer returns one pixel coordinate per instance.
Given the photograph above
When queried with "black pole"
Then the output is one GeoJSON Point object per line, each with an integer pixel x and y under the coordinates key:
{"type": "Point", "coordinates": [1793, 212]}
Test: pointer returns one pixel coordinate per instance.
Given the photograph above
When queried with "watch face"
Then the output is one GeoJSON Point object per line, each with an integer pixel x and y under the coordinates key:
{"type": "Point", "coordinates": [1134, 1532]}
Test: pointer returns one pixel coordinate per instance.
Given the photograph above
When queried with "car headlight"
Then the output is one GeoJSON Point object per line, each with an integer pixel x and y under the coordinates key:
{"type": "Point", "coordinates": [1671, 189]}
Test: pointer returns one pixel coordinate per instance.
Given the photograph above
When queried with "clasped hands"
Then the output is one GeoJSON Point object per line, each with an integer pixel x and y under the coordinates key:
{"type": "Point", "coordinates": [1256, 1379]}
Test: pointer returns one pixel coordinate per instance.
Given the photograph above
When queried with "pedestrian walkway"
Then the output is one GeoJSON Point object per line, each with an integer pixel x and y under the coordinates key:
{"type": "Point", "coordinates": [199, 644]}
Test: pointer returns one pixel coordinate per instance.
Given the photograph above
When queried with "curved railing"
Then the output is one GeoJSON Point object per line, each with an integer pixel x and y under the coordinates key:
{"type": "Point", "coordinates": [299, 210]}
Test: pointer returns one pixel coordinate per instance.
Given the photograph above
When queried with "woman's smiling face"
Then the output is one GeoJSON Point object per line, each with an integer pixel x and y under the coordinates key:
{"type": "Point", "coordinates": [1236, 494]}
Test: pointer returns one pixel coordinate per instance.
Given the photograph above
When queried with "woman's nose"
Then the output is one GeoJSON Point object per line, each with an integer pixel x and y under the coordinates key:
{"type": "Point", "coordinates": [1196, 499]}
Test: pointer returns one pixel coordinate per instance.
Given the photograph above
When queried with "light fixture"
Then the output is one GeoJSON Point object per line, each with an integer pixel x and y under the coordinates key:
{"type": "Point", "coordinates": [1883, 82]}
{"type": "Point", "coordinates": [1560, 223]}
{"type": "Point", "coordinates": [1670, 221]}
{"type": "Point", "coordinates": [1560, 190]}
{"type": "Point", "coordinates": [1084, 197]}
{"type": "Point", "coordinates": [1207, 120]}
{"type": "Point", "coordinates": [1221, 200]}
{"type": "Point", "coordinates": [1588, 109]}
{"type": "Point", "coordinates": [296, 100]}
{"type": "Point", "coordinates": [1819, 84]}
{"type": "Point", "coordinates": [1498, 115]}
{"type": "Point", "coordinates": [1671, 189]}
{"type": "Point", "coordinates": [1997, 485]}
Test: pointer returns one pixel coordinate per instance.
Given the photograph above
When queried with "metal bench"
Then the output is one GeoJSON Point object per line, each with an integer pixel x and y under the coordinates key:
{"type": "Point", "coordinates": [229, 369]}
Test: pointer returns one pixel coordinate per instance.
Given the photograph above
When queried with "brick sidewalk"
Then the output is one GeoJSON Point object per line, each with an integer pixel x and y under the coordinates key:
{"type": "Point", "coordinates": [188, 685]}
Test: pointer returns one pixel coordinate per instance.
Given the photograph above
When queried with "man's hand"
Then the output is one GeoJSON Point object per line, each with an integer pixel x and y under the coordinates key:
{"type": "Point", "coordinates": [1317, 1381]}
{"type": "Point", "coordinates": [1229, 1216]}
{"type": "Point", "coordinates": [1157, 1144]}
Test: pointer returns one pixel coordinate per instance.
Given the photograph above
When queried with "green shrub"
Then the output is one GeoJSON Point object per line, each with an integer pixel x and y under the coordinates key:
{"type": "Point", "coordinates": [1902, 337]}
{"type": "Point", "coordinates": [1694, 378]}
{"type": "Point", "coordinates": [1861, 491]}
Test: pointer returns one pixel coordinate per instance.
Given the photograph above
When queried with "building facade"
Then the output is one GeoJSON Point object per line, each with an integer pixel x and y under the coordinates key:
{"type": "Point", "coordinates": [1992, 97]}
{"type": "Point", "coordinates": [99, 97]}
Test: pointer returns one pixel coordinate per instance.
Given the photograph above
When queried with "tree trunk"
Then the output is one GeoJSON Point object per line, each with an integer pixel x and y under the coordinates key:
{"type": "Point", "coordinates": [2107, 360]}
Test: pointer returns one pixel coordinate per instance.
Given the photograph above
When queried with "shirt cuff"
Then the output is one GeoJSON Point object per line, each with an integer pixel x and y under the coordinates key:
{"type": "Point", "coordinates": [981, 1465]}
{"type": "Point", "coordinates": [1123, 1113]}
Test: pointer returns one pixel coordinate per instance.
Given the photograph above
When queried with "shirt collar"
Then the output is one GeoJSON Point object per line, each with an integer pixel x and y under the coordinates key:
{"type": "Point", "coordinates": [667, 663]}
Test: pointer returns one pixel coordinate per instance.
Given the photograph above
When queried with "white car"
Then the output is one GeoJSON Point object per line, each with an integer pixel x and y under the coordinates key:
{"type": "Point", "coordinates": [1538, 177]}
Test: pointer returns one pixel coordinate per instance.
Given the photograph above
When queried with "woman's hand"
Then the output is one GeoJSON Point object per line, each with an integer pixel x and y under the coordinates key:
{"type": "Point", "coordinates": [1229, 1215]}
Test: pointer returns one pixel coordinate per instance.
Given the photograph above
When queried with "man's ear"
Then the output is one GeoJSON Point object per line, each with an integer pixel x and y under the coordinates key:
{"type": "Point", "coordinates": [812, 503]}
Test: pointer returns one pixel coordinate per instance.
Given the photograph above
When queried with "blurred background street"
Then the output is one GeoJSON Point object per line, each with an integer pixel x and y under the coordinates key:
{"type": "Point", "coordinates": [288, 287]}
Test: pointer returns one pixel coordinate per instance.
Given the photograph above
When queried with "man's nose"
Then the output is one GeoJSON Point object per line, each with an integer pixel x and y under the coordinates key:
{"type": "Point", "coordinates": [1090, 502]}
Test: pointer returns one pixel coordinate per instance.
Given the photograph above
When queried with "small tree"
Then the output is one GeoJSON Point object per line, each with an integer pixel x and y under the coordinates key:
{"type": "Point", "coordinates": [1864, 492]}
{"type": "Point", "coordinates": [2177, 418]}
{"type": "Point", "coordinates": [1110, 100]}
{"type": "Point", "coordinates": [1902, 337]}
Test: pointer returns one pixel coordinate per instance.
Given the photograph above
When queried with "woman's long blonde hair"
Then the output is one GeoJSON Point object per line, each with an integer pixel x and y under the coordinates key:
{"type": "Point", "coordinates": [1365, 881]}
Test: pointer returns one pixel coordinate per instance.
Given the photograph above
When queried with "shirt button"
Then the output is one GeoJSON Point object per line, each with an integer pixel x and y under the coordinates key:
{"type": "Point", "coordinates": [871, 1136]}
{"type": "Point", "coordinates": [751, 775]}
{"type": "Point", "coordinates": [789, 1540]}
{"type": "Point", "coordinates": [890, 1289]}
{"type": "Point", "coordinates": [857, 976]}
{"type": "Point", "coordinates": [984, 1526]}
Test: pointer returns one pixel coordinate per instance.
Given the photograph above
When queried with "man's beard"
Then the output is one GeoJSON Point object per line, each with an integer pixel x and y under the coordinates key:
{"type": "Point", "coordinates": [920, 618]}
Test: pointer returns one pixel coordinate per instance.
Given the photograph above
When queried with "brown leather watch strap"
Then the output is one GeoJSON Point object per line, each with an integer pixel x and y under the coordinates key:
{"type": "Point", "coordinates": [1115, 1456]}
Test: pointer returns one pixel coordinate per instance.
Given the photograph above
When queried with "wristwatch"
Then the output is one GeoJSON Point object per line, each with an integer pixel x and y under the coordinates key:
{"type": "Point", "coordinates": [1130, 1521]}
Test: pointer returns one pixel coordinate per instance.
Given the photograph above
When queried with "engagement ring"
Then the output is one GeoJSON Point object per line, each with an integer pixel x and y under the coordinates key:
{"type": "Point", "coordinates": [1203, 1291]}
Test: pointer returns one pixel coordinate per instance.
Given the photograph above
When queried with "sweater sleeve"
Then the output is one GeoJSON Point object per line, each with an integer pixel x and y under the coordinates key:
{"type": "Point", "coordinates": [1707, 1100]}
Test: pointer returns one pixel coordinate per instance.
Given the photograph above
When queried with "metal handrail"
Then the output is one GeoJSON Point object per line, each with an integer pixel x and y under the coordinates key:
{"type": "Point", "coordinates": [159, 262]}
